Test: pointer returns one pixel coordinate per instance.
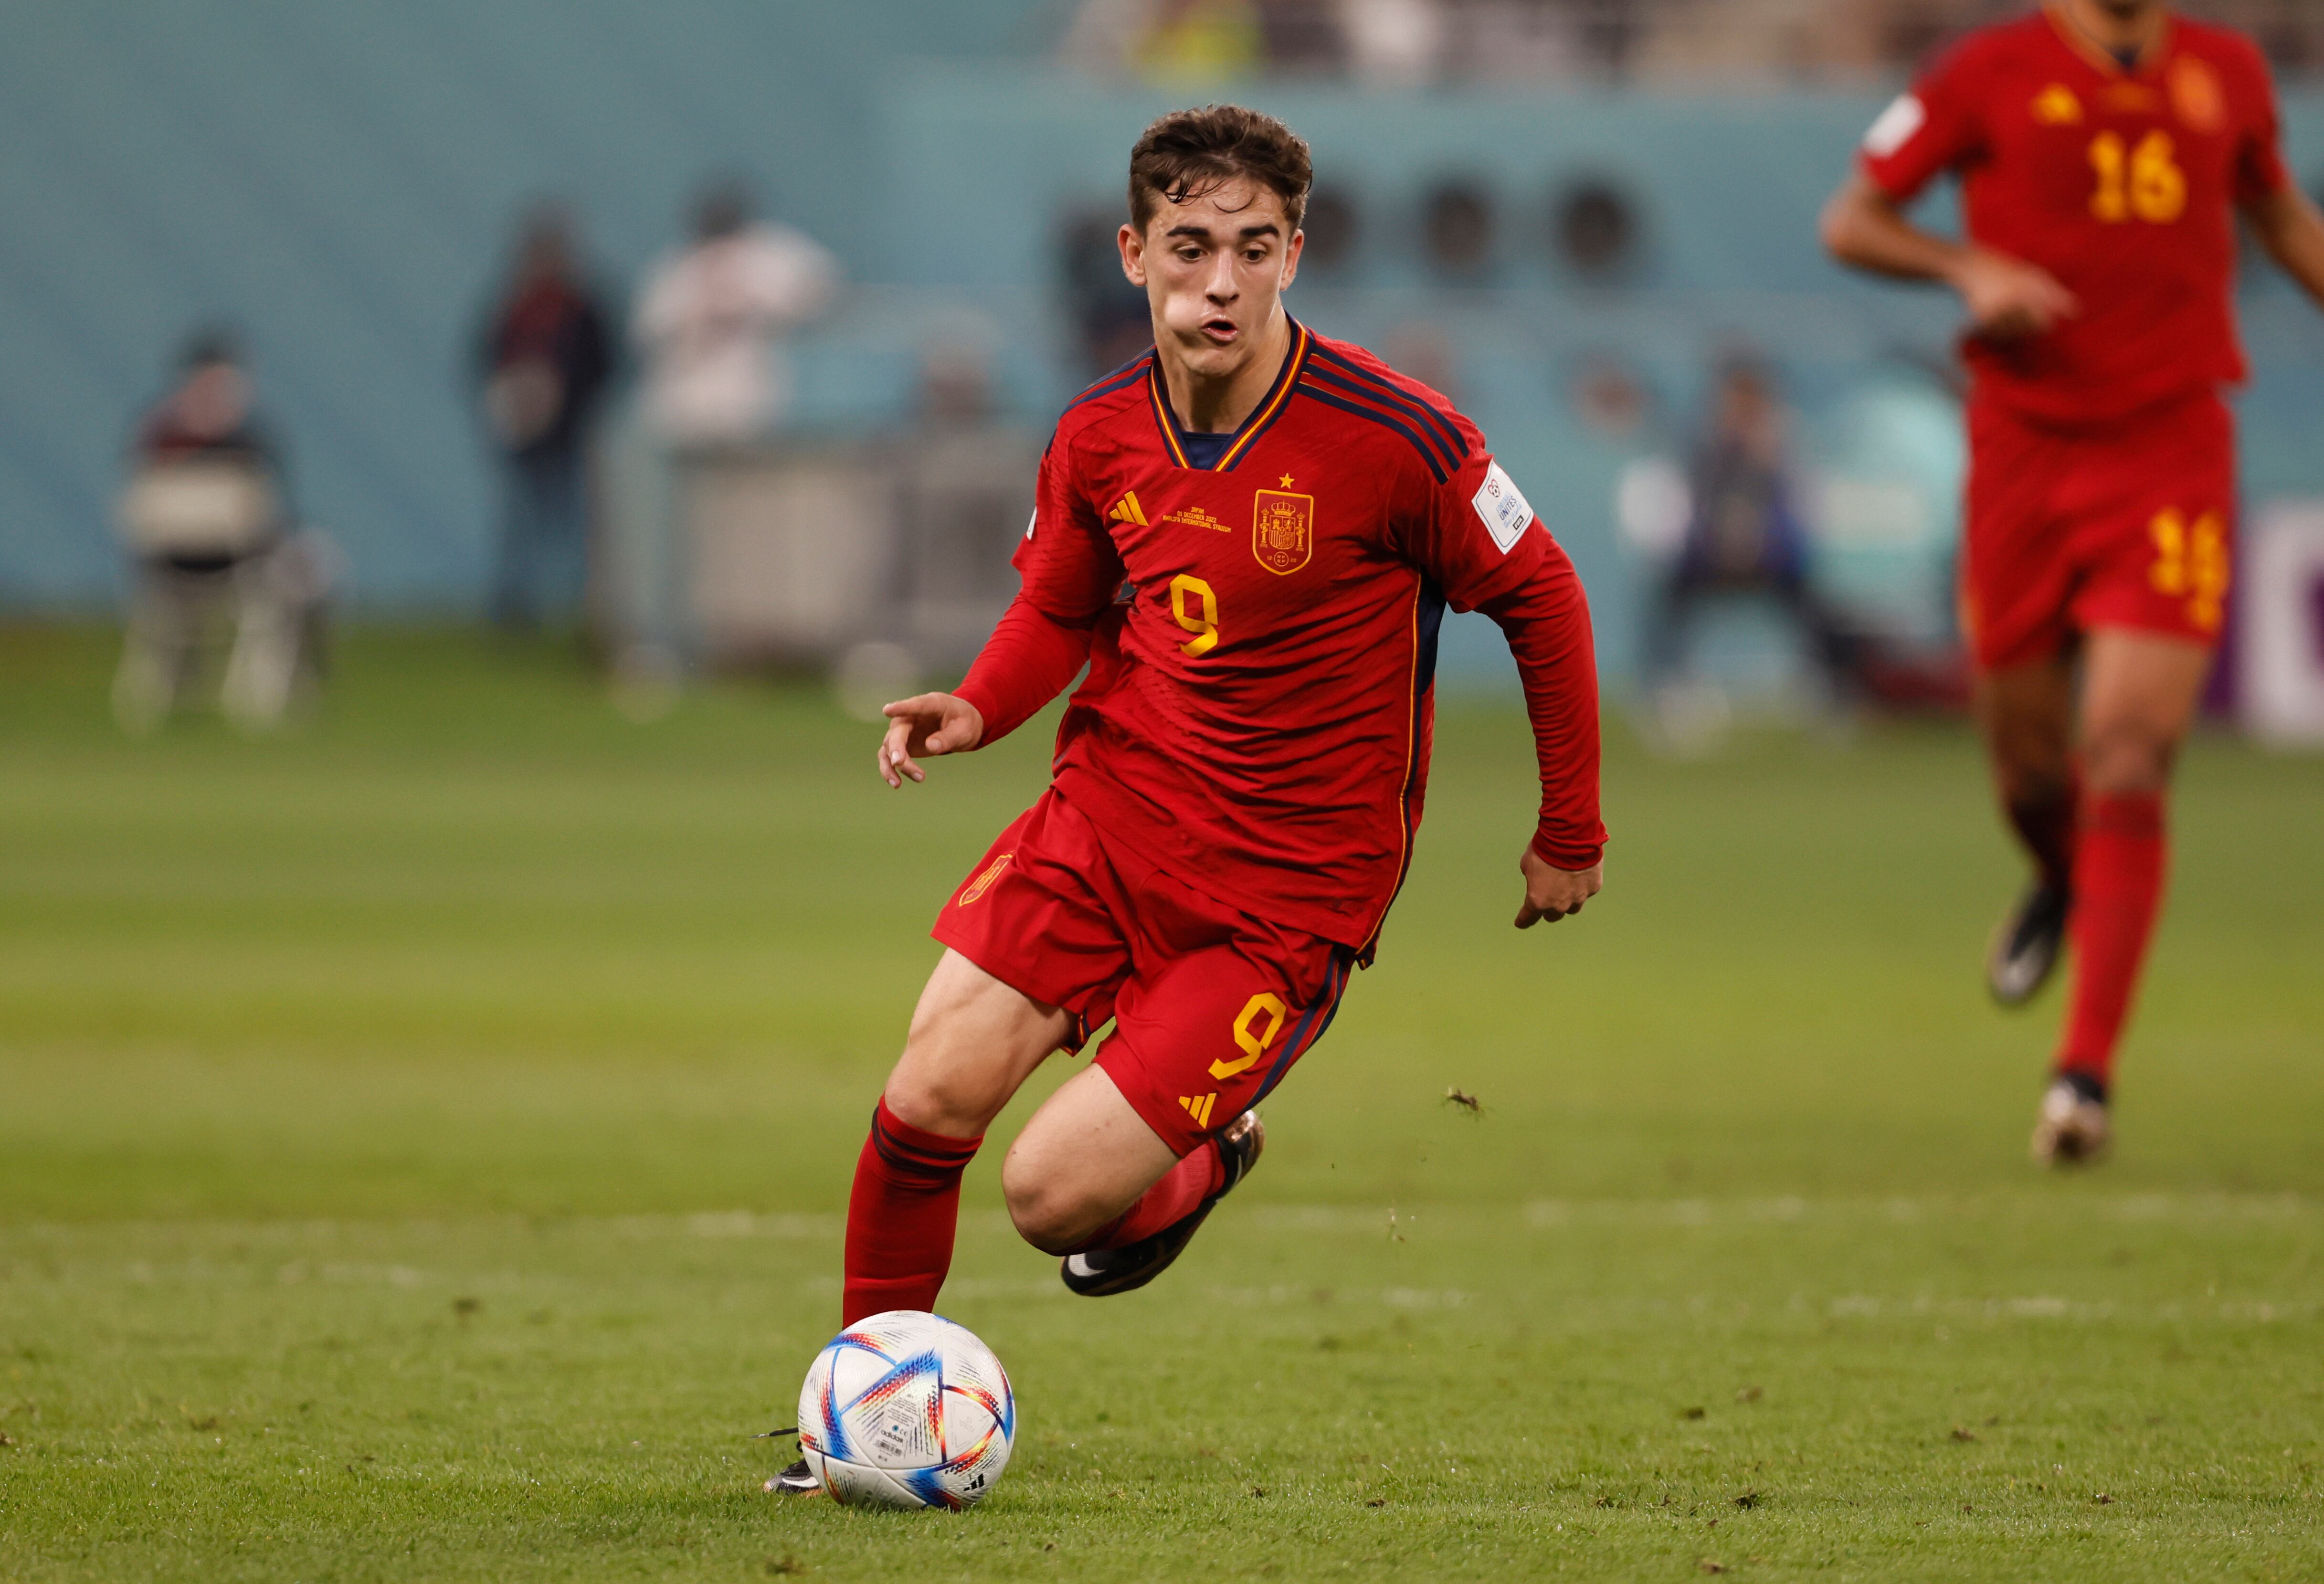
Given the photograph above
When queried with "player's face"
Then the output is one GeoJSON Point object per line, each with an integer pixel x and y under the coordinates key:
{"type": "Point", "coordinates": [1213, 269]}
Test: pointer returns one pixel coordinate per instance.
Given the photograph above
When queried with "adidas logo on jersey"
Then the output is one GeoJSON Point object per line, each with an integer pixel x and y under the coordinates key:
{"type": "Point", "coordinates": [1199, 1108]}
{"type": "Point", "coordinates": [1127, 510]}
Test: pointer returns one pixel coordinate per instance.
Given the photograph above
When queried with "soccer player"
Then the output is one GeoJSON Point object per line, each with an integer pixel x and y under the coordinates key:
{"type": "Point", "coordinates": [1248, 534]}
{"type": "Point", "coordinates": [2104, 148]}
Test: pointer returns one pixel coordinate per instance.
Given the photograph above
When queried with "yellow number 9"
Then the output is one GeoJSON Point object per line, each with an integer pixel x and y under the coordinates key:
{"type": "Point", "coordinates": [1254, 1039]}
{"type": "Point", "coordinates": [1203, 623]}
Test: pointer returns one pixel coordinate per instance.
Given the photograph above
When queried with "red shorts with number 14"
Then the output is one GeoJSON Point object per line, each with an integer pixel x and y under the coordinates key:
{"type": "Point", "coordinates": [2133, 526]}
{"type": "Point", "coordinates": [1211, 1005]}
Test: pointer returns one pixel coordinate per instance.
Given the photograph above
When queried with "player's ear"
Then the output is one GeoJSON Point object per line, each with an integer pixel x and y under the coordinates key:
{"type": "Point", "coordinates": [1133, 255]}
{"type": "Point", "coordinates": [1291, 259]}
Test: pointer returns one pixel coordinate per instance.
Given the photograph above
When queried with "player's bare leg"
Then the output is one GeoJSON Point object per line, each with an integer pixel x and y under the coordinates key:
{"type": "Point", "coordinates": [2027, 714]}
{"type": "Point", "coordinates": [1085, 1158]}
{"type": "Point", "coordinates": [1088, 1179]}
{"type": "Point", "coordinates": [973, 1042]}
{"type": "Point", "coordinates": [2140, 691]}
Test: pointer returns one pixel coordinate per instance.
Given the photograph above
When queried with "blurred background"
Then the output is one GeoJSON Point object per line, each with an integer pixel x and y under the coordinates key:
{"type": "Point", "coordinates": [458, 457]}
{"type": "Point", "coordinates": [724, 335]}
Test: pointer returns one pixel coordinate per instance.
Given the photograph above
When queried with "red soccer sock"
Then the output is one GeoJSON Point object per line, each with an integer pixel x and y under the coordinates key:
{"type": "Point", "coordinates": [2118, 865]}
{"type": "Point", "coordinates": [901, 1216]}
{"type": "Point", "coordinates": [1177, 1195]}
{"type": "Point", "coordinates": [2044, 823]}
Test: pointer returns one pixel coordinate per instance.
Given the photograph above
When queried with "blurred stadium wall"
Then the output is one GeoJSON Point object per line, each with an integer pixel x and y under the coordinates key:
{"type": "Point", "coordinates": [339, 181]}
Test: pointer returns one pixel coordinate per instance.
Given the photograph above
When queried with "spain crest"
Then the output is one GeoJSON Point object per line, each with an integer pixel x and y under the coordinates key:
{"type": "Point", "coordinates": [1282, 529]}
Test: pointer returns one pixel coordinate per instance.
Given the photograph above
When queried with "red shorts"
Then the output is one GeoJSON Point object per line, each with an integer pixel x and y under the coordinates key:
{"type": "Point", "coordinates": [2131, 527]}
{"type": "Point", "coordinates": [1211, 1007]}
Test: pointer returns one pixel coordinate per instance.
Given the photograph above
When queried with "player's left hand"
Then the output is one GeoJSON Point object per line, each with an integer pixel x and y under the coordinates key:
{"type": "Point", "coordinates": [1553, 893]}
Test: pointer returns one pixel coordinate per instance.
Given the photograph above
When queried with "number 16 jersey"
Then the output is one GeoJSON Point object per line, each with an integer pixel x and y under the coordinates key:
{"type": "Point", "coordinates": [2118, 178]}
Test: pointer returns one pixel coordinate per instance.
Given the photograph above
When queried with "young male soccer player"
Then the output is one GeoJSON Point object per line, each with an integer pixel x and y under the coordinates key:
{"type": "Point", "coordinates": [1249, 535]}
{"type": "Point", "coordinates": [2104, 148]}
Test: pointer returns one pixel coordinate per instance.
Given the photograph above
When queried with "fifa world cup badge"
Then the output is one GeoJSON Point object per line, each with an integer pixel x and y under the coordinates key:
{"type": "Point", "coordinates": [1282, 529]}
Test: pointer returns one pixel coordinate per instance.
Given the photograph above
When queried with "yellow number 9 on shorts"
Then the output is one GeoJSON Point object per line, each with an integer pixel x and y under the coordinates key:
{"type": "Point", "coordinates": [1249, 1036]}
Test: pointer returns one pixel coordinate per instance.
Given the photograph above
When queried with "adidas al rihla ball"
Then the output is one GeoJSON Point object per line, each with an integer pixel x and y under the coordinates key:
{"type": "Point", "coordinates": [906, 1409]}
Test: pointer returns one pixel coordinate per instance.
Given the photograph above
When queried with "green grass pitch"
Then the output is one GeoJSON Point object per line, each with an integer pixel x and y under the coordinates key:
{"type": "Point", "coordinates": [424, 1140]}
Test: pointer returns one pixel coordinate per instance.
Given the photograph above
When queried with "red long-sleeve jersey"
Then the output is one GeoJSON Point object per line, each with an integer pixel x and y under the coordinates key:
{"type": "Point", "coordinates": [1261, 632]}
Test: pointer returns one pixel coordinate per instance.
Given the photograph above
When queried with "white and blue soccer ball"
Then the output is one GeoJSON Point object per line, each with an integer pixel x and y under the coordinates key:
{"type": "Point", "coordinates": [906, 1409]}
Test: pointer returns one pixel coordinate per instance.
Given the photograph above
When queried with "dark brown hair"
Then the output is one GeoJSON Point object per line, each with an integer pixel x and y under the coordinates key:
{"type": "Point", "coordinates": [1190, 152]}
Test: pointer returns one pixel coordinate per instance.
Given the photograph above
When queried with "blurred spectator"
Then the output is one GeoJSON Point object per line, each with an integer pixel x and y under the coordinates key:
{"type": "Point", "coordinates": [1608, 33]}
{"type": "Point", "coordinates": [1179, 41]}
{"type": "Point", "coordinates": [1104, 35]}
{"type": "Point", "coordinates": [1393, 43]}
{"type": "Point", "coordinates": [1202, 41]}
{"type": "Point", "coordinates": [544, 361]}
{"type": "Point", "coordinates": [1611, 399]}
{"type": "Point", "coordinates": [1334, 225]}
{"type": "Point", "coordinates": [965, 475]}
{"type": "Point", "coordinates": [206, 520]}
{"type": "Point", "coordinates": [1515, 40]}
{"type": "Point", "coordinates": [1743, 532]}
{"type": "Point", "coordinates": [712, 321]}
{"type": "Point", "coordinates": [1304, 38]}
{"type": "Point", "coordinates": [1413, 44]}
{"type": "Point", "coordinates": [1113, 317]}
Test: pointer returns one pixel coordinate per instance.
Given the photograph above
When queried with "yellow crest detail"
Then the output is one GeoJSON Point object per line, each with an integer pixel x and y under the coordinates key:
{"type": "Point", "coordinates": [984, 882]}
{"type": "Point", "coordinates": [2196, 94]}
{"type": "Point", "coordinates": [1199, 1107]}
{"type": "Point", "coordinates": [1282, 529]}
{"type": "Point", "coordinates": [2056, 106]}
{"type": "Point", "coordinates": [1127, 510]}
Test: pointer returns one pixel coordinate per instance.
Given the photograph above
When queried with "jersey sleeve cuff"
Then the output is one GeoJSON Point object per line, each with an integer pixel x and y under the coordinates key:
{"type": "Point", "coordinates": [987, 708]}
{"type": "Point", "coordinates": [1561, 851]}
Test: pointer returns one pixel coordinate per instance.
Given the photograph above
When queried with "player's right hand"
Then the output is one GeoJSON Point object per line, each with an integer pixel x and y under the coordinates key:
{"type": "Point", "coordinates": [930, 725]}
{"type": "Point", "coordinates": [2009, 299]}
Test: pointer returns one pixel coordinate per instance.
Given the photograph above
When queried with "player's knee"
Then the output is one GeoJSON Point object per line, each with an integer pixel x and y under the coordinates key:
{"type": "Point", "coordinates": [940, 1096]}
{"type": "Point", "coordinates": [1042, 1217]}
{"type": "Point", "coordinates": [2128, 757]}
{"type": "Point", "coordinates": [1047, 1211]}
{"type": "Point", "coordinates": [2031, 761]}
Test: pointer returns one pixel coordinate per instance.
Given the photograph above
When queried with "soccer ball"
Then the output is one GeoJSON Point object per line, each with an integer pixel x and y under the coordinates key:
{"type": "Point", "coordinates": [906, 1409]}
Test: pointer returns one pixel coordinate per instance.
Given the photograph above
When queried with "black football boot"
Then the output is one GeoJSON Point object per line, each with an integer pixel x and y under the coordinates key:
{"type": "Point", "coordinates": [2025, 947]}
{"type": "Point", "coordinates": [797, 1479]}
{"type": "Point", "coordinates": [2072, 1129]}
{"type": "Point", "coordinates": [1103, 1272]}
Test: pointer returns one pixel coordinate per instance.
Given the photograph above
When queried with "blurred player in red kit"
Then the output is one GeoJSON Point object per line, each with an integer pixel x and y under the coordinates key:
{"type": "Point", "coordinates": [2104, 148]}
{"type": "Point", "coordinates": [1248, 534]}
